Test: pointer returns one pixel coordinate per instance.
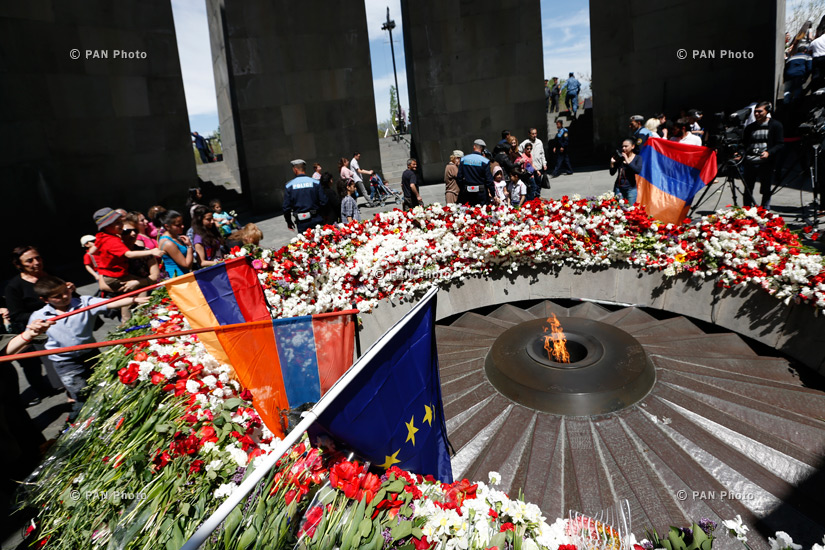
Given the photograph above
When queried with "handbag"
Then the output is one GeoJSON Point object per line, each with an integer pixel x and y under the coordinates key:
{"type": "Point", "coordinates": [545, 181]}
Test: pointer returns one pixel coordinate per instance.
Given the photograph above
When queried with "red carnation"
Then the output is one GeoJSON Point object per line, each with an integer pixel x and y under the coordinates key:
{"type": "Point", "coordinates": [507, 527]}
{"type": "Point", "coordinates": [128, 374]}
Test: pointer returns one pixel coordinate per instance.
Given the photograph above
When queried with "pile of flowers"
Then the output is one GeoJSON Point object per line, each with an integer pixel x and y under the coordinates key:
{"type": "Point", "coordinates": [401, 254]}
{"type": "Point", "coordinates": [167, 431]}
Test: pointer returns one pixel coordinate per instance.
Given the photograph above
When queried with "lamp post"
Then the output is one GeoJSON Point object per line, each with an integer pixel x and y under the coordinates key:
{"type": "Point", "coordinates": [389, 25]}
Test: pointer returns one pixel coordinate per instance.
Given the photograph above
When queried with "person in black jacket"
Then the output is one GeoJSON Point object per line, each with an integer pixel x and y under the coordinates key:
{"type": "Point", "coordinates": [763, 139]}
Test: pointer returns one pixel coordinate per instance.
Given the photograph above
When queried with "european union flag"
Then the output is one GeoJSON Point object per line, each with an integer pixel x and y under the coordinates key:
{"type": "Point", "coordinates": [391, 411]}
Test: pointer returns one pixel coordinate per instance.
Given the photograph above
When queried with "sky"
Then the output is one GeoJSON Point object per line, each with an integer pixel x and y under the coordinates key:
{"type": "Point", "coordinates": [565, 30]}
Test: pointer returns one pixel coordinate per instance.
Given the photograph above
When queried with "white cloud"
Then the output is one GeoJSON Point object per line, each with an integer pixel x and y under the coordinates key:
{"type": "Point", "coordinates": [381, 88]}
{"type": "Point", "coordinates": [192, 30]}
{"type": "Point", "coordinates": [580, 18]}
{"type": "Point", "coordinates": [377, 15]}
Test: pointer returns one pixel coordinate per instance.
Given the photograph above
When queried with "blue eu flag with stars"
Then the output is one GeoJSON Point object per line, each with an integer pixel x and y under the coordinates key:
{"type": "Point", "coordinates": [391, 412]}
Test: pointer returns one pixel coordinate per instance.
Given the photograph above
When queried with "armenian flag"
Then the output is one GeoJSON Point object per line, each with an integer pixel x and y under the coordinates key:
{"type": "Point", "coordinates": [390, 411]}
{"type": "Point", "coordinates": [285, 363]}
{"type": "Point", "coordinates": [672, 173]}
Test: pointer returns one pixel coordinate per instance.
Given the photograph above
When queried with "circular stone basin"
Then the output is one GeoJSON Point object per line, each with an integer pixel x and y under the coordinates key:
{"type": "Point", "coordinates": [608, 370]}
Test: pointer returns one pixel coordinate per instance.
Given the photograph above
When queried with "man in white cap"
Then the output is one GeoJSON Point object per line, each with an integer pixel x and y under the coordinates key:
{"type": "Point", "coordinates": [451, 188]}
{"type": "Point", "coordinates": [304, 198]}
{"type": "Point", "coordinates": [475, 180]}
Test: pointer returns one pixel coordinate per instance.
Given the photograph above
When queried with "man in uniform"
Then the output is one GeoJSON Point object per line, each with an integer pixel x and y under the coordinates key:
{"type": "Point", "coordinates": [640, 133]}
{"type": "Point", "coordinates": [303, 198]}
{"type": "Point", "coordinates": [475, 180]}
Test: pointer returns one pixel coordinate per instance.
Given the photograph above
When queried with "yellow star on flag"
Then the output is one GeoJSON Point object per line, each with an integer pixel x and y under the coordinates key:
{"type": "Point", "coordinates": [390, 460]}
{"type": "Point", "coordinates": [411, 429]}
{"type": "Point", "coordinates": [428, 416]}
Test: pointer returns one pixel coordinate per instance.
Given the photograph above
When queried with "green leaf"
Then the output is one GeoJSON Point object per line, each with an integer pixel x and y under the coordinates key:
{"type": "Point", "coordinates": [498, 540]}
{"type": "Point", "coordinates": [232, 404]}
{"type": "Point", "coordinates": [177, 537]}
{"type": "Point", "coordinates": [402, 530]}
{"type": "Point", "coordinates": [162, 427]}
{"type": "Point", "coordinates": [354, 525]}
{"type": "Point", "coordinates": [231, 525]}
{"type": "Point", "coordinates": [396, 486]}
{"type": "Point", "coordinates": [365, 528]}
{"type": "Point", "coordinates": [417, 533]}
{"type": "Point", "coordinates": [247, 539]}
{"type": "Point", "coordinates": [184, 509]}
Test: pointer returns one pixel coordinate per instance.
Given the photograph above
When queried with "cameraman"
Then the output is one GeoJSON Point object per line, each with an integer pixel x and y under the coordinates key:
{"type": "Point", "coordinates": [628, 164]}
{"type": "Point", "coordinates": [762, 139]}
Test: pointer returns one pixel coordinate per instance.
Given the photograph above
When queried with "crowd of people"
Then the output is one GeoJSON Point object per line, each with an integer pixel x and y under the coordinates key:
{"type": "Point", "coordinates": [325, 199]}
{"type": "Point", "coordinates": [130, 251]}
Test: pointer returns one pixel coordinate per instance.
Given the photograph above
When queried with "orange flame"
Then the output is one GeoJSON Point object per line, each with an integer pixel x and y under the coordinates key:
{"type": "Point", "coordinates": [555, 343]}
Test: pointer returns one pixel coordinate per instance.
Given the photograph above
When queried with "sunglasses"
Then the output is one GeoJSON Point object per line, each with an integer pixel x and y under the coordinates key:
{"type": "Point", "coordinates": [128, 232]}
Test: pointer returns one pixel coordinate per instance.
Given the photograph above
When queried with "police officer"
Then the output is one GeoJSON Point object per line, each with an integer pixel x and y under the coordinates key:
{"type": "Point", "coordinates": [303, 198]}
{"type": "Point", "coordinates": [475, 180]}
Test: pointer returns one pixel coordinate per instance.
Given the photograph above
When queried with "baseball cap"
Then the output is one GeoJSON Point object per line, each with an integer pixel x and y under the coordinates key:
{"type": "Point", "coordinates": [85, 239]}
{"type": "Point", "coordinates": [105, 217]}
{"type": "Point", "coordinates": [298, 162]}
{"type": "Point", "coordinates": [480, 143]}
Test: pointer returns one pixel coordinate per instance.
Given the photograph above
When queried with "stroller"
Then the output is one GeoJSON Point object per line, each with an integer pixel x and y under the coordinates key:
{"type": "Point", "coordinates": [382, 192]}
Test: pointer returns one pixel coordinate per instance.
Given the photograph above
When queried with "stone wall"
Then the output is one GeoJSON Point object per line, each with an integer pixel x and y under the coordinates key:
{"type": "Point", "coordinates": [473, 70]}
{"type": "Point", "coordinates": [635, 48]}
{"type": "Point", "coordinates": [752, 312]}
{"type": "Point", "coordinates": [298, 79]}
{"type": "Point", "coordinates": [92, 131]}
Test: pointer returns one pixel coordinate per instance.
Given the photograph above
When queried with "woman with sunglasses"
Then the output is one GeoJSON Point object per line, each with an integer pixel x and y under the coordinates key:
{"type": "Point", "coordinates": [21, 302]}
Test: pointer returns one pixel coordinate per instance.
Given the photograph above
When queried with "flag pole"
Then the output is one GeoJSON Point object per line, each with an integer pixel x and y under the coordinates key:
{"type": "Point", "coordinates": [308, 418]}
{"type": "Point", "coordinates": [156, 336]}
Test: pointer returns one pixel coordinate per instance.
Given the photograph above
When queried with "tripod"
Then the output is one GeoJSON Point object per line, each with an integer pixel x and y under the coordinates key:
{"type": "Point", "coordinates": [731, 168]}
{"type": "Point", "coordinates": [811, 162]}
